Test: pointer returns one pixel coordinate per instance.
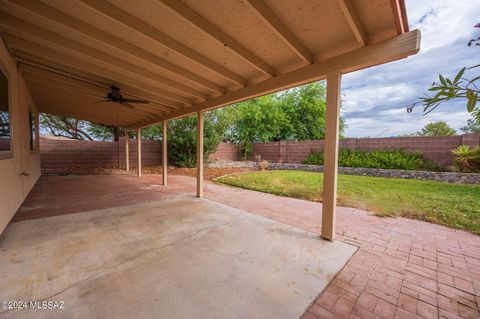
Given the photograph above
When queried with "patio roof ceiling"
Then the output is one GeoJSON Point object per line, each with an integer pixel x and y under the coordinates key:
{"type": "Point", "coordinates": [191, 55]}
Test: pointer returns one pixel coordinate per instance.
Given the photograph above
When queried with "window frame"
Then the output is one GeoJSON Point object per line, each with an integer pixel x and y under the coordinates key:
{"type": "Point", "coordinates": [8, 154]}
{"type": "Point", "coordinates": [33, 140]}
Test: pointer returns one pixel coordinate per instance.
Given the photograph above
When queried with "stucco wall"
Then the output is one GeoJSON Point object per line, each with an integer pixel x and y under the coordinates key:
{"type": "Point", "coordinates": [14, 187]}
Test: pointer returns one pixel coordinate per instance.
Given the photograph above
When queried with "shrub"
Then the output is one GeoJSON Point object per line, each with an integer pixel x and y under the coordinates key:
{"type": "Point", "coordinates": [263, 165]}
{"type": "Point", "coordinates": [246, 150]}
{"type": "Point", "coordinates": [467, 159]}
{"type": "Point", "coordinates": [385, 159]}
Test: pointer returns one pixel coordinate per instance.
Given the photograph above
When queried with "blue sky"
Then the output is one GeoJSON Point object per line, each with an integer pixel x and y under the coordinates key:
{"type": "Point", "coordinates": [375, 99]}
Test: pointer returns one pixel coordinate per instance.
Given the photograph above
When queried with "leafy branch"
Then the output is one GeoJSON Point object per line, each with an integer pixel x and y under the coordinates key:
{"type": "Point", "coordinates": [447, 89]}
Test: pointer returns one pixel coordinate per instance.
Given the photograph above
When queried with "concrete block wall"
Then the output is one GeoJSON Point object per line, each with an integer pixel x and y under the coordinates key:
{"type": "Point", "coordinates": [226, 151]}
{"type": "Point", "coordinates": [64, 153]}
{"type": "Point", "coordinates": [436, 149]}
{"type": "Point", "coordinates": [68, 153]}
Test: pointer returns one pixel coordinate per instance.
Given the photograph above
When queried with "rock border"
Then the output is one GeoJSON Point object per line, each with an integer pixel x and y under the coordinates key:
{"type": "Point", "coordinates": [448, 177]}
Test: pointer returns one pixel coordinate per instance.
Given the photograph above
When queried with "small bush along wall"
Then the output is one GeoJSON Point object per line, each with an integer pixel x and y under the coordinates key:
{"type": "Point", "coordinates": [385, 159]}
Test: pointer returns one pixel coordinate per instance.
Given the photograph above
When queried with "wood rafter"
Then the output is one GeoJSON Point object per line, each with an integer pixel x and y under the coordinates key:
{"type": "Point", "coordinates": [40, 93]}
{"type": "Point", "coordinates": [97, 116]}
{"type": "Point", "coordinates": [280, 28]}
{"type": "Point", "coordinates": [101, 36]}
{"type": "Point", "coordinates": [27, 67]}
{"type": "Point", "coordinates": [211, 30]}
{"type": "Point", "coordinates": [367, 56]}
{"type": "Point", "coordinates": [399, 15]}
{"type": "Point", "coordinates": [104, 119]}
{"type": "Point", "coordinates": [353, 20]}
{"type": "Point", "coordinates": [68, 60]}
{"type": "Point", "coordinates": [160, 37]}
{"type": "Point", "coordinates": [83, 96]}
{"type": "Point", "coordinates": [16, 26]}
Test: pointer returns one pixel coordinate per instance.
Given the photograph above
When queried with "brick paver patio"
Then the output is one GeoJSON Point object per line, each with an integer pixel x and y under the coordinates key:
{"type": "Point", "coordinates": [402, 269]}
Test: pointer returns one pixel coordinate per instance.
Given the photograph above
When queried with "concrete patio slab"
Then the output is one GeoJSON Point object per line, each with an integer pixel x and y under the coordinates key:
{"type": "Point", "coordinates": [178, 257]}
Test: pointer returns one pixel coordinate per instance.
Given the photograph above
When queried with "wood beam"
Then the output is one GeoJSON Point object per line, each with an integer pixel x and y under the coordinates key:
{"type": "Point", "coordinates": [49, 89]}
{"type": "Point", "coordinates": [211, 30]}
{"type": "Point", "coordinates": [16, 26]}
{"type": "Point", "coordinates": [68, 100]}
{"type": "Point", "coordinates": [127, 152]}
{"type": "Point", "coordinates": [28, 68]}
{"type": "Point", "coordinates": [103, 37]}
{"type": "Point", "coordinates": [199, 154]}
{"type": "Point", "coordinates": [139, 152]}
{"type": "Point", "coordinates": [390, 50]}
{"type": "Point", "coordinates": [74, 105]}
{"type": "Point", "coordinates": [98, 118]}
{"type": "Point", "coordinates": [330, 166]}
{"type": "Point", "coordinates": [399, 15]}
{"type": "Point", "coordinates": [63, 58]}
{"type": "Point", "coordinates": [353, 21]}
{"type": "Point", "coordinates": [147, 30]}
{"type": "Point", "coordinates": [164, 153]}
{"type": "Point", "coordinates": [78, 93]}
{"type": "Point", "coordinates": [267, 15]}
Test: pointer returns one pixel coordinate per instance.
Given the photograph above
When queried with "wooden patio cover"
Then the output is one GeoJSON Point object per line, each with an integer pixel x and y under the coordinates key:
{"type": "Point", "coordinates": [189, 56]}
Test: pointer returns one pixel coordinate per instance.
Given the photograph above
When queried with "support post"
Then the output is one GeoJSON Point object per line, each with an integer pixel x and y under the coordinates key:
{"type": "Point", "coordinates": [164, 153]}
{"type": "Point", "coordinates": [127, 152]}
{"type": "Point", "coordinates": [139, 152]}
{"type": "Point", "coordinates": [330, 166]}
{"type": "Point", "coordinates": [199, 154]}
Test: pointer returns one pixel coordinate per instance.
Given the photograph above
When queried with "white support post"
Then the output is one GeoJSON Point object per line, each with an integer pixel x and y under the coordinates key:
{"type": "Point", "coordinates": [330, 166]}
{"type": "Point", "coordinates": [164, 153]}
{"type": "Point", "coordinates": [139, 152]}
{"type": "Point", "coordinates": [199, 154]}
{"type": "Point", "coordinates": [127, 152]}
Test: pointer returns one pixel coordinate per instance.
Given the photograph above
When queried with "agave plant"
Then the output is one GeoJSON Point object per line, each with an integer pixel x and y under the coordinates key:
{"type": "Point", "coordinates": [467, 159]}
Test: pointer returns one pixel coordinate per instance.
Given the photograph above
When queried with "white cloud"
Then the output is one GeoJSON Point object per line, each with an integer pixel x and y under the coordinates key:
{"type": "Point", "coordinates": [376, 98]}
{"type": "Point", "coordinates": [371, 96]}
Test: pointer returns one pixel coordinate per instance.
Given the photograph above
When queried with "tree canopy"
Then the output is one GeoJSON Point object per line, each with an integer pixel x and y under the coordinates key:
{"type": "Point", "coordinates": [437, 129]}
{"type": "Point", "coordinates": [295, 114]}
{"type": "Point", "coordinates": [473, 124]}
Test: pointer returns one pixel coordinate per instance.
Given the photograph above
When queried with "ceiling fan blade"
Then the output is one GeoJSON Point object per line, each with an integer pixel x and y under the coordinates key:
{"type": "Point", "coordinates": [128, 105]}
{"type": "Point", "coordinates": [137, 101]}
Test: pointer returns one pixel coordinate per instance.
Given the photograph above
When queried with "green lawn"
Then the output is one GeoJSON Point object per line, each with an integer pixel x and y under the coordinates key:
{"type": "Point", "coordinates": [456, 206]}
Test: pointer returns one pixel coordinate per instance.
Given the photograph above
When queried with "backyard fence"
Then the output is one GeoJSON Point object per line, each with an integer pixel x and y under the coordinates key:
{"type": "Point", "coordinates": [436, 149]}
{"type": "Point", "coordinates": [60, 153]}
{"type": "Point", "coordinates": [56, 153]}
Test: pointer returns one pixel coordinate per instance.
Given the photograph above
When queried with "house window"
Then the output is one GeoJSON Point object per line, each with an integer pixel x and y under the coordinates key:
{"type": "Point", "coordinates": [5, 117]}
{"type": "Point", "coordinates": [33, 131]}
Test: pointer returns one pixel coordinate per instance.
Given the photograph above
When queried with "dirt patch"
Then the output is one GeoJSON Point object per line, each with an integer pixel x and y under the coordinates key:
{"type": "Point", "coordinates": [209, 173]}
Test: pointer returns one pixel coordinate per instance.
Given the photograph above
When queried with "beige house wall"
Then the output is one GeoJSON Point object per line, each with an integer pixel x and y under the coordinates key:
{"type": "Point", "coordinates": [14, 186]}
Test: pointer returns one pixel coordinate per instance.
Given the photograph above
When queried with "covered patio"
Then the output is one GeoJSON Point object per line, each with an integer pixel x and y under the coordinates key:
{"type": "Point", "coordinates": [145, 246]}
{"type": "Point", "coordinates": [132, 65]}
{"type": "Point", "coordinates": [166, 254]}
{"type": "Point", "coordinates": [161, 250]}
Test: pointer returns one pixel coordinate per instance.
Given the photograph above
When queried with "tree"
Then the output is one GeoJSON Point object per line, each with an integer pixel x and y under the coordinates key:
{"type": "Point", "coordinates": [437, 129]}
{"type": "Point", "coordinates": [295, 114]}
{"type": "Point", "coordinates": [182, 136]}
{"type": "Point", "coordinates": [473, 124]}
{"type": "Point", "coordinates": [79, 129]}
{"type": "Point", "coordinates": [65, 127]}
{"type": "Point", "coordinates": [259, 120]}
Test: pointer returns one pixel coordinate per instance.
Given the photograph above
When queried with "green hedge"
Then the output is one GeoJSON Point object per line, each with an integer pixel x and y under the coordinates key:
{"type": "Point", "coordinates": [385, 159]}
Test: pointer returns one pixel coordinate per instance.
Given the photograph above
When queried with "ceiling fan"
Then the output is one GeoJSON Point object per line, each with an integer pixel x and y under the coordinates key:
{"type": "Point", "coordinates": [115, 97]}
